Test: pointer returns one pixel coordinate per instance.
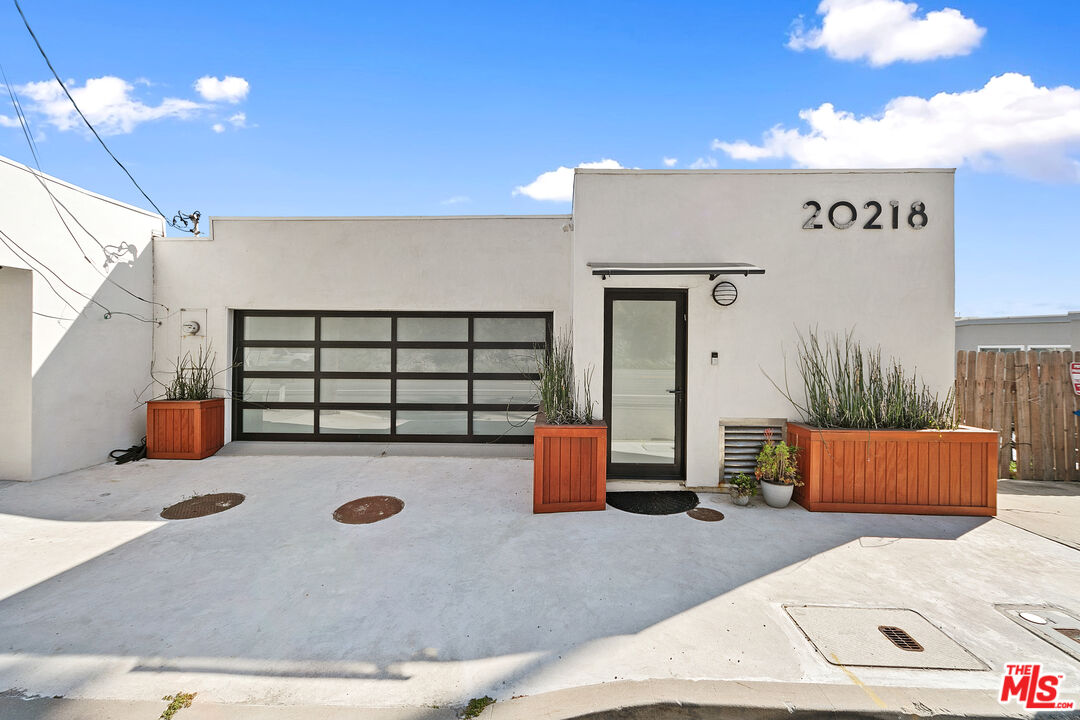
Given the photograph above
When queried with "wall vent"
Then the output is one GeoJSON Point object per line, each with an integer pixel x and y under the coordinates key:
{"type": "Point", "coordinates": [740, 442]}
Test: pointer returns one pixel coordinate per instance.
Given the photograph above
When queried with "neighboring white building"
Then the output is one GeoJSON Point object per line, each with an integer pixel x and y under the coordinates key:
{"type": "Point", "coordinates": [422, 329]}
{"type": "Point", "coordinates": [70, 376]}
{"type": "Point", "coordinates": [1016, 333]}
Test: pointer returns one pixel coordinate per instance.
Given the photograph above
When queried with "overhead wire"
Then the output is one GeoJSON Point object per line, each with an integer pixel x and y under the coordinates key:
{"type": "Point", "coordinates": [80, 112]}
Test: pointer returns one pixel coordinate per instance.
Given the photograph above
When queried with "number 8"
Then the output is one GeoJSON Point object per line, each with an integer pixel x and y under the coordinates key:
{"type": "Point", "coordinates": [917, 210]}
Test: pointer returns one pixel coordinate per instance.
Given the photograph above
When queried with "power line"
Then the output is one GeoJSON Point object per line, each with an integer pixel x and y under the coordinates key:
{"type": "Point", "coordinates": [79, 110]}
{"type": "Point", "coordinates": [28, 134]}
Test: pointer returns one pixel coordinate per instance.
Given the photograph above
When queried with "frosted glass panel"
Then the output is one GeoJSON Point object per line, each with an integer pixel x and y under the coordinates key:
{"type": "Point", "coordinates": [355, 359]}
{"type": "Point", "coordinates": [355, 421]}
{"type": "Point", "coordinates": [432, 422]}
{"type": "Point", "coordinates": [257, 327]}
{"type": "Point", "coordinates": [500, 423]}
{"type": "Point", "coordinates": [504, 391]}
{"type": "Point", "coordinates": [517, 360]}
{"type": "Point", "coordinates": [432, 361]}
{"type": "Point", "coordinates": [278, 359]}
{"type": "Point", "coordinates": [432, 391]}
{"type": "Point", "coordinates": [259, 420]}
{"type": "Point", "coordinates": [642, 371]}
{"type": "Point", "coordinates": [509, 329]}
{"type": "Point", "coordinates": [368, 329]}
{"type": "Point", "coordinates": [350, 390]}
{"type": "Point", "coordinates": [264, 390]}
{"type": "Point", "coordinates": [414, 329]}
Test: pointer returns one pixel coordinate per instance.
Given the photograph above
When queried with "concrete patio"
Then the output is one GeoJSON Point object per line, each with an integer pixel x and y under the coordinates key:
{"type": "Point", "coordinates": [466, 592]}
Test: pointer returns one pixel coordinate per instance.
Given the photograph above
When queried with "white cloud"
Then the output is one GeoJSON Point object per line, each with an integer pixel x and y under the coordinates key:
{"type": "Point", "coordinates": [456, 200]}
{"type": "Point", "coordinates": [1010, 124]}
{"type": "Point", "coordinates": [218, 128]}
{"type": "Point", "coordinates": [703, 163]}
{"type": "Point", "coordinates": [11, 122]}
{"type": "Point", "coordinates": [887, 31]}
{"type": "Point", "coordinates": [229, 89]}
{"type": "Point", "coordinates": [239, 120]}
{"type": "Point", "coordinates": [671, 162]}
{"type": "Point", "coordinates": [107, 102]}
{"type": "Point", "coordinates": [558, 185]}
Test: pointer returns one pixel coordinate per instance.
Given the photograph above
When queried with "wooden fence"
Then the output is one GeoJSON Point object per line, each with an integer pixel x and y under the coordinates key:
{"type": "Point", "coordinates": [1027, 397]}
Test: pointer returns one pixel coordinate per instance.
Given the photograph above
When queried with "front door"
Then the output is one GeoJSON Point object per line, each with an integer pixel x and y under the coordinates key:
{"type": "Point", "coordinates": [645, 382]}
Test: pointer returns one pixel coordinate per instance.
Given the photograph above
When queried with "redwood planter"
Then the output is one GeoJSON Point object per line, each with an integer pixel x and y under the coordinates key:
{"type": "Point", "coordinates": [569, 467]}
{"type": "Point", "coordinates": [919, 472]}
{"type": "Point", "coordinates": [184, 429]}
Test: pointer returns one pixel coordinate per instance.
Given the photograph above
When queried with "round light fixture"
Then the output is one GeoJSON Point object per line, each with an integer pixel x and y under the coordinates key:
{"type": "Point", "coordinates": [725, 293]}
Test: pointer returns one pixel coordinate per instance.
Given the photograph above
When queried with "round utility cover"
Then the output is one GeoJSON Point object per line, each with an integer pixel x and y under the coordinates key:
{"type": "Point", "coordinates": [1033, 618]}
{"type": "Point", "coordinates": [706, 514]}
{"type": "Point", "coordinates": [367, 510]}
{"type": "Point", "coordinates": [201, 506]}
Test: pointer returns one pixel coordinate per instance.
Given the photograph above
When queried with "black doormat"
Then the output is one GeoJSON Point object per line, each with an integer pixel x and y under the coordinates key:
{"type": "Point", "coordinates": [653, 502]}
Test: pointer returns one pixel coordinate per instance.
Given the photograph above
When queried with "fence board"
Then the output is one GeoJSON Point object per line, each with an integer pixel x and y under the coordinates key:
{"type": "Point", "coordinates": [1027, 398]}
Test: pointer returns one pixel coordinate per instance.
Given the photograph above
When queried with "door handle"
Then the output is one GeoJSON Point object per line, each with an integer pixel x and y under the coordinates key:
{"type": "Point", "coordinates": [676, 391]}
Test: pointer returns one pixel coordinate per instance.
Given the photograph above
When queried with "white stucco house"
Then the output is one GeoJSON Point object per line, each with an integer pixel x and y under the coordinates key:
{"type": "Point", "coordinates": [1019, 332]}
{"type": "Point", "coordinates": [685, 292]}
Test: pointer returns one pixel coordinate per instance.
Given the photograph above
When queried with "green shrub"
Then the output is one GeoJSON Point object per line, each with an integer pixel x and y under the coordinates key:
{"type": "Point", "coordinates": [777, 462]}
{"type": "Point", "coordinates": [848, 386]}
{"type": "Point", "coordinates": [557, 387]}
{"type": "Point", "coordinates": [193, 378]}
{"type": "Point", "coordinates": [743, 484]}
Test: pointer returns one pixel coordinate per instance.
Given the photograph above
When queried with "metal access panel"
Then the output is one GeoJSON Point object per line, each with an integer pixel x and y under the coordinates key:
{"type": "Point", "coordinates": [1053, 624]}
{"type": "Point", "coordinates": [880, 637]}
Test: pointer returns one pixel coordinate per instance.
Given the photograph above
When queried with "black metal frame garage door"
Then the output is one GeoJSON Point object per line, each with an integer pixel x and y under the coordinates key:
{"type": "Point", "coordinates": [387, 376]}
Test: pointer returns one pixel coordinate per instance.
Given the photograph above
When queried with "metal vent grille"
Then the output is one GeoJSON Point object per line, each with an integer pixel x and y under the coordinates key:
{"type": "Point", "coordinates": [900, 638]}
{"type": "Point", "coordinates": [741, 440]}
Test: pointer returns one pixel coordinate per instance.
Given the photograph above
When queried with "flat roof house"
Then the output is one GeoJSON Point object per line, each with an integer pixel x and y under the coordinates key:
{"type": "Point", "coordinates": [685, 292]}
{"type": "Point", "coordinates": [1019, 332]}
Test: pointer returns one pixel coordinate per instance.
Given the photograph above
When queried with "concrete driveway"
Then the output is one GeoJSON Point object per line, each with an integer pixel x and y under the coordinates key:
{"type": "Point", "coordinates": [466, 592]}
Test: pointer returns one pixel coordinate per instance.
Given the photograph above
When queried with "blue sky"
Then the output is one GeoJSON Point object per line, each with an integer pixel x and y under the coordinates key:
{"type": "Point", "coordinates": [446, 108]}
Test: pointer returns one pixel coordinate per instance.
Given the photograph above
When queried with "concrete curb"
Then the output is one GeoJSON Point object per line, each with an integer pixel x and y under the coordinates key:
{"type": "Point", "coordinates": [645, 700]}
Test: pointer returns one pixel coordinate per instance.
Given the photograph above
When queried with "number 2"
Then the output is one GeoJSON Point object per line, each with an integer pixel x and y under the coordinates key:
{"type": "Point", "coordinates": [810, 224]}
{"type": "Point", "coordinates": [870, 224]}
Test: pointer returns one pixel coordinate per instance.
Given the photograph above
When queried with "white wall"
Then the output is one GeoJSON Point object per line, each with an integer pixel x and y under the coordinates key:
{"type": "Point", "coordinates": [895, 287]}
{"type": "Point", "coordinates": [16, 306]}
{"type": "Point", "coordinates": [86, 369]}
{"type": "Point", "coordinates": [453, 264]}
{"type": "Point", "coordinates": [1005, 331]}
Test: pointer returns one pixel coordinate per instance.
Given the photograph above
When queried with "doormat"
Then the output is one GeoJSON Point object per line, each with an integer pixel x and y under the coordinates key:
{"type": "Point", "coordinates": [880, 637]}
{"type": "Point", "coordinates": [653, 502]}
{"type": "Point", "coordinates": [201, 506]}
{"type": "Point", "coordinates": [706, 514]}
{"type": "Point", "coordinates": [367, 510]}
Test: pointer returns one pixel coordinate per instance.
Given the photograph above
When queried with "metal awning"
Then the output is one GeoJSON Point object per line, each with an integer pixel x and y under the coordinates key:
{"type": "Point", "coordinates": [604, 269]}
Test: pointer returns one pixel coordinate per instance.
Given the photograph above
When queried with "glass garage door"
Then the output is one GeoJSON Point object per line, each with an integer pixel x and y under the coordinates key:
{"type": "Point", "coordinates": [407, 376]}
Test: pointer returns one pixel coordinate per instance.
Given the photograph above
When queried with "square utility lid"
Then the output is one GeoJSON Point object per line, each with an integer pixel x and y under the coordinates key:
{"type": "Point", "coordinates": [880, 637]}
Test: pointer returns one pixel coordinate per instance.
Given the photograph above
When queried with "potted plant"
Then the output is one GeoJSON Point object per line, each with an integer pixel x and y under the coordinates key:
{"type": "Point", "coordinates": [189, 423]}
{"type": "Point", "coordinates": [876, 439]}
{"type": "Point", "coordinates": [742, 488]}
{"type": "Point", "coordinates": [569, 443]}
{"type": "Point", "coordinates": [777, 471]}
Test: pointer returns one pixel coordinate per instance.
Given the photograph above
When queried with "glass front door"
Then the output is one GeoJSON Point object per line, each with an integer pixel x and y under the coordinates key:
{"type": "Point", "coordinates": [645, 382]}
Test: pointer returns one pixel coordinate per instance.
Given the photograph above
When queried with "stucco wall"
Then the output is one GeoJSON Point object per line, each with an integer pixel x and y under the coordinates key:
{"type": "Point", "coordinates": [894, 287]}
{"type": "Point", "coordinates": [16, 306]}
{"type": "Point", "coordinates": [1026, 331]}
{"type": "Point", "coordinates": [453, 264]}
{"type": "Point", "coordinates": [86, 369]}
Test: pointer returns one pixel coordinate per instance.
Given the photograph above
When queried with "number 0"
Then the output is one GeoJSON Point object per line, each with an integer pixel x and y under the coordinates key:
{"type": "Point", "coordinates": [832, 215]}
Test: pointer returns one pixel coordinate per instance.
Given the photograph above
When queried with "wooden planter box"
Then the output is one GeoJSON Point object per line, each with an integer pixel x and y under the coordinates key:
{"type": "Point", "coordinates": [184, 429]}
{"type": "Point", "coordinates": [918, 472]}
{"type": "Point", "coordinates": [569, 467]}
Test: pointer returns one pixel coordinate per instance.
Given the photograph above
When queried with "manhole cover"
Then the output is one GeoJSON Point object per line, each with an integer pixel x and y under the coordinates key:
{"type": "Point", "coordinates": [201, 506]}
{"type": "Point", "coordinates": [368, 510]}
{"type": "Point", "coordinates": [653, 502]}
{"type": "Point", "coordinates": [706, 514]}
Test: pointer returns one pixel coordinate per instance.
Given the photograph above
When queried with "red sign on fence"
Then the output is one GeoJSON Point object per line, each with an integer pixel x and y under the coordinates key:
{"type": "Point", "coordinates": [1074, 368]}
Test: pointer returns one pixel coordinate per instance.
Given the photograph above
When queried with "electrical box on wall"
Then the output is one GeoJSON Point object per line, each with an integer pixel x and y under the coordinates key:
{"type": "Point", "coordinates": [192, 322]}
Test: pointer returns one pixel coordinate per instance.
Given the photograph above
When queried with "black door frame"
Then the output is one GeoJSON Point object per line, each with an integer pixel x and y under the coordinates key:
{"type": "Point", "coordinates": [677, 470]}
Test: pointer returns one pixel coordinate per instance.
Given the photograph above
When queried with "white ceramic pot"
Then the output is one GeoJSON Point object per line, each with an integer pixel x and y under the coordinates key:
{"type": "Point", "coordinates": [740, 499]}
{"type": "Point", "coordinates": [776, 495]}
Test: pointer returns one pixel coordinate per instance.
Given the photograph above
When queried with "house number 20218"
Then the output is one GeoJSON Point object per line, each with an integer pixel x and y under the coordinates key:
{"type": "Point", "coordinates": [843, 215]}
